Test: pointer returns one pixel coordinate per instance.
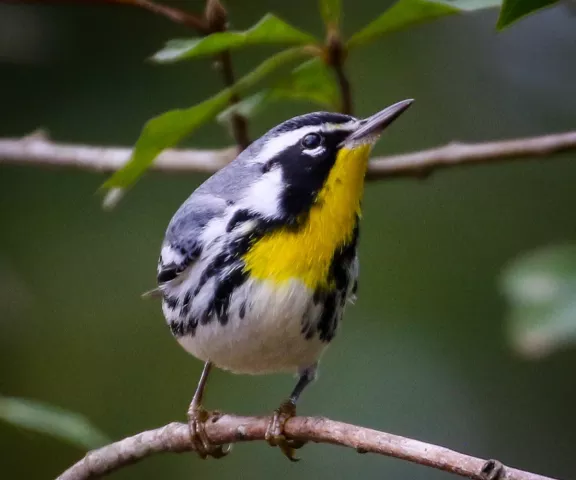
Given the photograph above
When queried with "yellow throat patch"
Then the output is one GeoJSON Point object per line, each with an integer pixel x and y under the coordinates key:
{"type": "Point", "coordinates": [306, 254]}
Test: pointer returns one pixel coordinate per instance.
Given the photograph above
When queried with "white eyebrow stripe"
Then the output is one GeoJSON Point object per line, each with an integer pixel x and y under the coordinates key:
{"type": "Point", "coordinates": [348, 126]}
{"type": "Point", "coordinates": [281, 142]}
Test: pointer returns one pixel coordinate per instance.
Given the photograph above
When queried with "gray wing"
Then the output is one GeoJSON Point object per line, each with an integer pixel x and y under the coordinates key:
{"type": "Point", "coordinates": [182, 245]}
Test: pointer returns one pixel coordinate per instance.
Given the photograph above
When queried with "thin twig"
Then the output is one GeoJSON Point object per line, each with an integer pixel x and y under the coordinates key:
{"type": "Point", "coordinates": [38, 150]}
{"type": "Point", "coordinates": [345, 89]}
{"type": "Point", "coordinates": [175, 437]}
{"type": "Point", "coordinates": [238, 122]}
{"type": "Point", "coordinates": [174, 14]}
{"type": "Point", "coordinates": [336, 57]}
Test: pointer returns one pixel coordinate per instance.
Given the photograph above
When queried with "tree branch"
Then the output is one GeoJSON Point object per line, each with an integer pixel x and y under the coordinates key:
{"type": "Point", "coordinates": [175, 437]}
{"type": "Point", "coordinates": [424, 162]}
{"type": "Point", "coordinates": [38, 150]}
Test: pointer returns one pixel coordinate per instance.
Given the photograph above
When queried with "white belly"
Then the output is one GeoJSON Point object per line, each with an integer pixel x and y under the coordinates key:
{"type": "Point", "coordinates": [268, 338]}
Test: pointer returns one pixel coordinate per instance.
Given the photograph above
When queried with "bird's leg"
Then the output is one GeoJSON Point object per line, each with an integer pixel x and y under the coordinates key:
{"type": "Point", "coordinates": [275, 431]}
{"type": "Point", "coordinates": [198, 416]}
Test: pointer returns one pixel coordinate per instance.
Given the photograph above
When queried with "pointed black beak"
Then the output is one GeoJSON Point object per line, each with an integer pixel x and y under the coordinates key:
{"type": "Point", "coordinates": [379, 121]}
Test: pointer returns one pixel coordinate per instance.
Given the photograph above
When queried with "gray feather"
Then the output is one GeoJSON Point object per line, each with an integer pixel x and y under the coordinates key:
{"type": "Point", "coordinates": [211, 199]}
{"type": "Point", "coordinates": [181, 246]}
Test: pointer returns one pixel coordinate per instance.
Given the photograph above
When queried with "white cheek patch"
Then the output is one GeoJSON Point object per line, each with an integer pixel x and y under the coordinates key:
{"type": "Point", "coordinates": [263, 196]}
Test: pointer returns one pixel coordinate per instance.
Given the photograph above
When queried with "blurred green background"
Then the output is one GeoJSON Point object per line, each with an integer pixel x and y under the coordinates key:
{"type": "Point", "coordinates": [424, 353]}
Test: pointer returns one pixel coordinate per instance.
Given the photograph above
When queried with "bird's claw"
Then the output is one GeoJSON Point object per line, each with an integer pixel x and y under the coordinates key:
{"type": "Point", "coordinates": [197, 418]}
{"type": "Point", "coordinates": [275, 431]}
{"type": "Point", "coordinates": [492, 470]}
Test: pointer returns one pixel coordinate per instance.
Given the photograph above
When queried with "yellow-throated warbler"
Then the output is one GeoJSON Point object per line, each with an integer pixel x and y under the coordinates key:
{"type": "Point", "coordinates": [258, 263]}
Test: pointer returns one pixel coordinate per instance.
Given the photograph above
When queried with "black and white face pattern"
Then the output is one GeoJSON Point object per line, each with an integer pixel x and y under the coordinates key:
{"type": "Point", "coordinates": [301, 153]}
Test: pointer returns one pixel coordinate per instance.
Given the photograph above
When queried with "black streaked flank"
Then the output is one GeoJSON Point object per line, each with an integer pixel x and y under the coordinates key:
{"type": "Point", "coordinates": [186, 304]}
{"type": "Point", "coordinates": [334, 298]}
{"type": "Point", "coordinates": [181, 328]}
{"type": "Point", "coordinates": [230, 259]}
{"type": "Point", "coordinates": [171, 270]}
{"type": "Point", "coordinates": [317, 297]}
{"type": "Point", "coordinates": [327, 324]}
{"type": "Point", "coordinates": [242, 312]}
{"type": "Point", "coordinates": [342, 260]}
{"type": "Point", "coordinates": [224, 291]}
{"type": "Point", "coordinates": [309, 321]}
{"type": "Point", "coordinates": [231, 254]}
{"type": "Point", "coordinates": [171, 302]}
{"type": "Point", "coordinates": [211, 270]}
{"type": "Point", "coordinates": [177, 328]}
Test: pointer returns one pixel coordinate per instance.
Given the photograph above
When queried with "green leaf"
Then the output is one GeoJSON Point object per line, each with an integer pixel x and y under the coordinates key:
{"type": "Point", "coordinates": [51, 420]}
{"type": "Point", "coordinates": [270, 65]}
{"type": "Point", "coordinates": [163, 132]}
{"type": "Point", "coordinates": [248, 107]}
{"type": "Point", "coordinates": [269, 30]}
{"type": "Point", "coordinates": [331, 11]}
{"type": "Point", "coordinates": [311, 81]}
{"type": "Point", "coordinates": [171, 127]}
{"type": "Point", "coordinates": [513, 10]}
{"type": "Point", "coordinates": [541, 291]}
{"type": "Point", "coordinates": [405, 13]}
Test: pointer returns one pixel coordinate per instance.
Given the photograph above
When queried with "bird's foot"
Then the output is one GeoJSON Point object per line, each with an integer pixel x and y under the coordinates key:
{"type": "Point", "coordinates": [275, 431]}
{"type": "Point", "coordinates": [197, 418]}
{"type": "Point", "coordinates": [492, 470]}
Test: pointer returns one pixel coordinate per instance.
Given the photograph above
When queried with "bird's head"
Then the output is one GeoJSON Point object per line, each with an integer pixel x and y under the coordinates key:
{"type": "Point", "coordinates": [299, 157]}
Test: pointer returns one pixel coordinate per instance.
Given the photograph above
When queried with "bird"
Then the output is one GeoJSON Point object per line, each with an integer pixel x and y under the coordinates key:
{"type": "Point", "coordinates": [258, 264]}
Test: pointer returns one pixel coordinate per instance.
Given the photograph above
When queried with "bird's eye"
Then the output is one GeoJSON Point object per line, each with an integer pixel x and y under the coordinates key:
{"type": "Point", "coordinates": [312, 140]}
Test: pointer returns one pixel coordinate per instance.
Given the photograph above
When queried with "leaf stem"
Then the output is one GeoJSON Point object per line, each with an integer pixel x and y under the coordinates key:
{"type": "Point", "coordinates": [345, 89]}
{"type": "Point", "coordinates": [174, 14]}
{"type": "Point", "coordinates": [239, 122]}
{"type": "Point", "coordinates": [217, 19]}
{"type": "Point", "coordinates": [335, 56]}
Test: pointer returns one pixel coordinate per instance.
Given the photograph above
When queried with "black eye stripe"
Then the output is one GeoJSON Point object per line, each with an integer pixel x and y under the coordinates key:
{"type": "Point", "coordinates": [312, 140]}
